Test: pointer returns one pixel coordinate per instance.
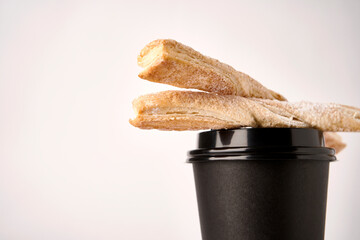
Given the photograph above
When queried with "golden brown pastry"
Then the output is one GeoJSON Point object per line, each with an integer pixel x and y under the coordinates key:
{"type": "Point", "coordinates": [186, 110]}
{"type": "Point", "coordinates": [333, 140]}
{"type": "Point", "coordinates": [168, 61]}
{"type": "Point", "coordinates": [324, 116]}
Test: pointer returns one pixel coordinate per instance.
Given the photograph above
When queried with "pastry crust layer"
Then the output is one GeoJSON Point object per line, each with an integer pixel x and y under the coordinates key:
{"type": "Point", "coordinates": [186, 110]}
{"type": "Point", "coordinates": [333, 140]}
{"type": "Point", "coordinates": [170, 62]}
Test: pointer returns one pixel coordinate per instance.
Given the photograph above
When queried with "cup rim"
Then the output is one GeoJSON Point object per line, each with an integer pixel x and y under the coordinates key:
{"type": "Point", "coordinates": [261, 144]}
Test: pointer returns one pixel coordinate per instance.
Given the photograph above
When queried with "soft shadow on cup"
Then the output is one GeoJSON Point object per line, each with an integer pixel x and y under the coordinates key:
{"type": "Point", "coordinates": [261, 183]}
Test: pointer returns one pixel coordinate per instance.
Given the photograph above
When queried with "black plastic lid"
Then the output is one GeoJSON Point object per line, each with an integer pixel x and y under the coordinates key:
{"type": "Point", "coordinates": [261, 144]}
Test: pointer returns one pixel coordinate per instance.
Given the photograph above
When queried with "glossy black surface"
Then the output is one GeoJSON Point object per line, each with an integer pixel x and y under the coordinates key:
{"type": "Point", "coordinates": [261, 143]}
{"type": "Point", "coordinates": [259, 137]}
{"type": "Point", "coordinates": [261, 184]}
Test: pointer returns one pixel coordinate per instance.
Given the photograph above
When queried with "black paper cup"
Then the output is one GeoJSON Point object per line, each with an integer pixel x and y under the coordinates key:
{"type": "Point", "coordinates": [261, 183]}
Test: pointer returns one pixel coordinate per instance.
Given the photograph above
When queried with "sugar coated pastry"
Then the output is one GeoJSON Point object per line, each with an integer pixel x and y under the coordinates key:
{"type": "Point", "coordinates": [245, 102]}
{"type": "Point", "coordinates": [333, 140]}
{"type": "Point", "coordinates": [170, 62]}
{"type": "Point", "coordinates": [187, 110]}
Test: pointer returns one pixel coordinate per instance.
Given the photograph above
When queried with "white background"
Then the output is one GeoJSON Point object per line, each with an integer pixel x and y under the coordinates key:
{"type": "Point", "coordinates": [72, 167]}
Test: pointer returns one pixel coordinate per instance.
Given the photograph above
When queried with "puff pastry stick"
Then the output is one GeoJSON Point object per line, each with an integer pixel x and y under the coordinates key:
{"type": "Point", "coordinates": [324, 116]}
{"type": "Point", "coordinates": [186, 110]}
{"type": "Point", "coordinates": [333, 140]}
{"type": "Point", "coordinates": [170, 62]}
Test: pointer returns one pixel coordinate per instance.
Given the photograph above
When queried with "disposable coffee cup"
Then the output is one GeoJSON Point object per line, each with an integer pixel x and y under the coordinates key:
{"type": "Point", "coordinates": [261, 183]}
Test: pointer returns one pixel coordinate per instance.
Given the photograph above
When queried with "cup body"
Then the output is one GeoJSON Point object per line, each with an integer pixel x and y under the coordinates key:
{"type": "Point", "coordinates": [262, 184]}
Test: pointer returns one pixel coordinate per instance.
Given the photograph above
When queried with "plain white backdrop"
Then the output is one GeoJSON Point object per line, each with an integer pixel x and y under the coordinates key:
{"type": "Point", "coordinates": [72, 167]}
